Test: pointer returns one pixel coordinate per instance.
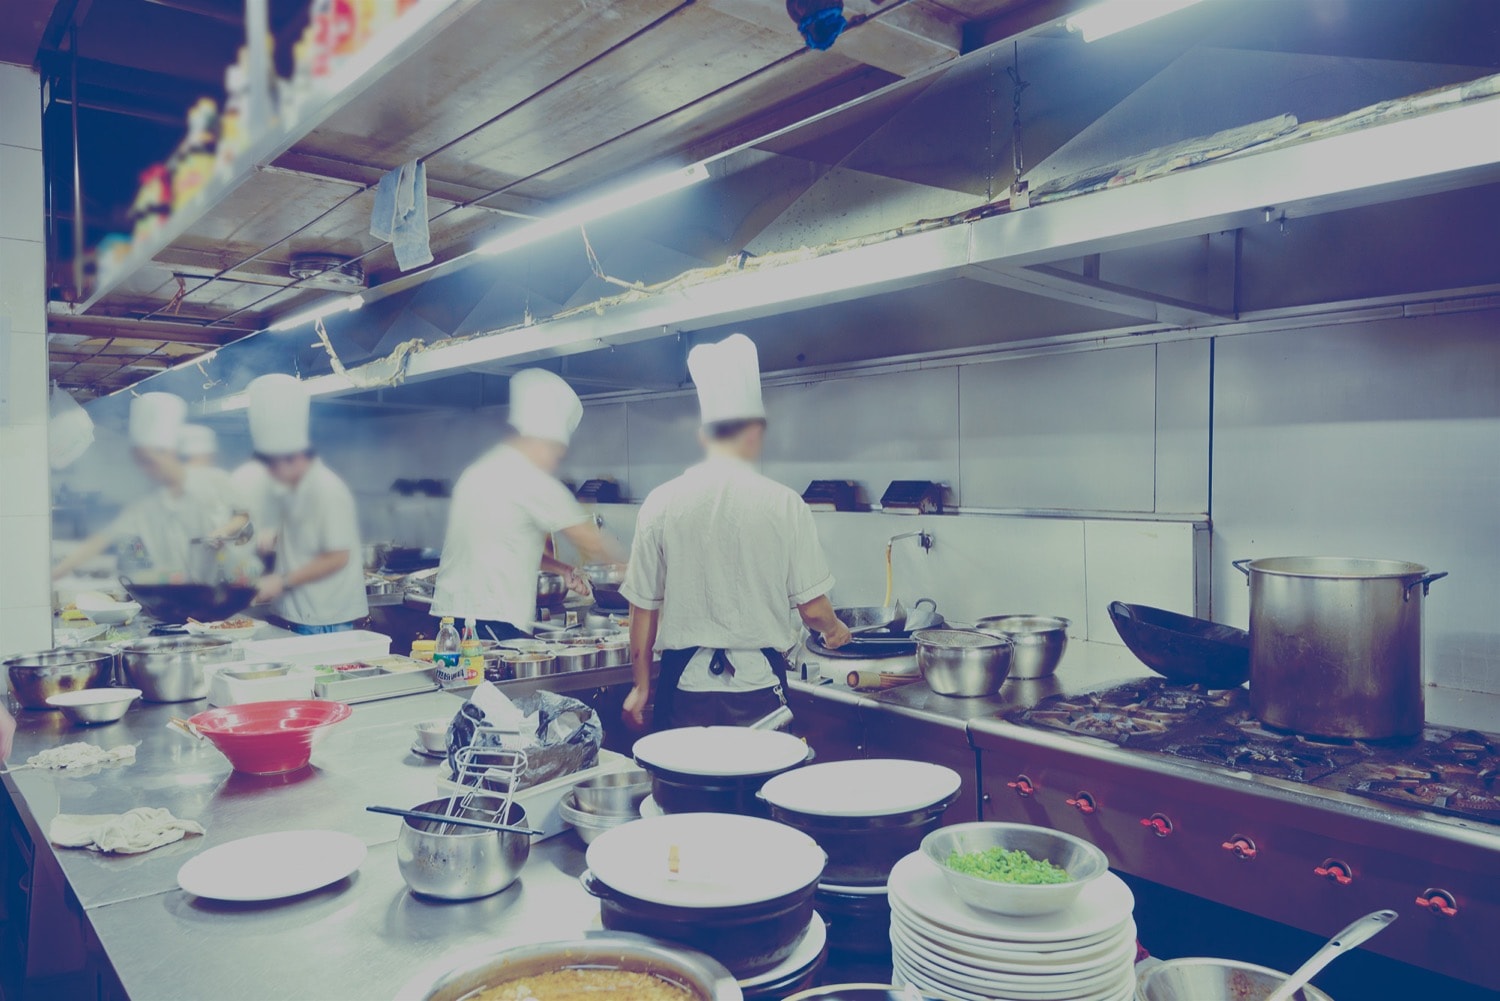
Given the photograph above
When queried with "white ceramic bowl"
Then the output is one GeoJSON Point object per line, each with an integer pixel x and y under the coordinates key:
{"type": "Point", "coordinates": [1082, 860]}
{"type": "Point", "coordinates": [93, 706]}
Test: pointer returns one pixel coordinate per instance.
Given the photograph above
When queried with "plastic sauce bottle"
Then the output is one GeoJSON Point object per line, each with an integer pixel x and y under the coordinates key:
{"type": "Point", "coordinates": [446, 653]}
{"type": "Point", "coordinates": [471, 655]}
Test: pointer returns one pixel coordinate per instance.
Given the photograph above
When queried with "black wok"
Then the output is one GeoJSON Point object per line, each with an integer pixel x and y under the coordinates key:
{"type": "Point", "coordinates": [177, 603]}
{"type": "Point", "coordinates": [1184, 649]}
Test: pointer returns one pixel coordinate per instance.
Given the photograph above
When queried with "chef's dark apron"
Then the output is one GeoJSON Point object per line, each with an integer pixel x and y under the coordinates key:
{"type": "Point", "coordinates": [487, 629]}
{"type": "Point", "coordinates": [735, 708]}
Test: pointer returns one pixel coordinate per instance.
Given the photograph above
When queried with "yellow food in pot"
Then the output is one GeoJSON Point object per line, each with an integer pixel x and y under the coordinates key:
{"type": "Point", "coordinates": [584, 985]}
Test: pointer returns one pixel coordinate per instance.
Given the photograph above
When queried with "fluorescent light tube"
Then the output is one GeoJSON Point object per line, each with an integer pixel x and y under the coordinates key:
{"type": "Point", "coordinates": [1111, 16]}
{"type": "Point", "coordinates": [596, 208]}
{"type": "Point", "coordinates": [342, 304]}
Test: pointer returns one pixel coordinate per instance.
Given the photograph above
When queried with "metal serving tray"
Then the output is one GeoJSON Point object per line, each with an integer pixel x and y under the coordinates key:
{"type": "Point", "coordinates": [371, 683]}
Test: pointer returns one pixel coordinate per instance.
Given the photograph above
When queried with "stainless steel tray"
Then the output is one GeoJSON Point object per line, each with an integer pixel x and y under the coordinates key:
{"type": "Point", "coordinates": [374, 684]}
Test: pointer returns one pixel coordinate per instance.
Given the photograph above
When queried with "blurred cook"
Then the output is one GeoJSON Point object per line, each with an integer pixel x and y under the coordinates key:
{"type": "Point", "coordinates": [197, 445]}
{"type": "Point", "coordinates": [505, 506]}
{"type": "Point", "coordinates": [319, 583]}
{"type": "Point", "coordinates": [188, 502]}
{"type": "Point", "coordinates": [722, 555]}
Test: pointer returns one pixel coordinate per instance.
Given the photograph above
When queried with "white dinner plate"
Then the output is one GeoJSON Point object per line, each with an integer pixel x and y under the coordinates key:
{"type": "Point", "coordinates": [962, 946]}
{"type": "Point", "coordinates": [1019, 987]}
{"type": "Point", "coordinates": [904, 975]}
{"type": "Point", "coordinates": [932, 953]}
{"type": "Point", "coordinates": [917, 883]}
{"type": "Point", "coordinates": [272, 866]}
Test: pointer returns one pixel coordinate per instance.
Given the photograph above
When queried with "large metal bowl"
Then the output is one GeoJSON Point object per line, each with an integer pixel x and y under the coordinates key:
{"type": "Point", "coordinates": [95, 706]}
{"type": "Point", "coordinates": [458, 978]}
{"type": "Point", "coordinates": [964, 663]}
{"type": "Point", "coordinates": [170, 668]}
{"type": "Point", "coordinates": [590, 825]}
{"type": "Point", "coordinates": [36, 677]}
{"type": "Point", "coordinates": [461, 863]}
{"type": "Point", "coordinates": [1215, 980]}
{"type": "Point", "coordinates": [616, 794]}
{"type": "Point", "coordinates": [1083, 862]}
{"type": "Point", "coordinates": [1038, 642]}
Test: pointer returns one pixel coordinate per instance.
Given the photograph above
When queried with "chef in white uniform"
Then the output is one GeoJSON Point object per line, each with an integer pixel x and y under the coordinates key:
{"type": "Point", "coordinates": [505, 506]}
{"type": "Point", "coordinates": [722, 559]}
{"type": "Point", "coordinates": [319, 583]}
{"type": "Point", "coordinates": [152, 535]}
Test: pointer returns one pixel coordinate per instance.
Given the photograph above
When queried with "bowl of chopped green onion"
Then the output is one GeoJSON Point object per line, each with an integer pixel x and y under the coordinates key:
{"type": "Point", "coordinates": [1014, 869]}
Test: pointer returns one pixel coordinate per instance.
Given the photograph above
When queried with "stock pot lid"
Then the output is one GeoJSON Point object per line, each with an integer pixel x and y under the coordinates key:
{"type": "Point", "coordinates": [720, 751]}
{"type": "Point", "coordinates": [869, 788]}
{"type": "Point", "coordinates": [720, 860]}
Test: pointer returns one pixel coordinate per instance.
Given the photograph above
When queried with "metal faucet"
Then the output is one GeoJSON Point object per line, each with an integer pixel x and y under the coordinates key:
{"type": "Point", "coordinates": [924, 539]}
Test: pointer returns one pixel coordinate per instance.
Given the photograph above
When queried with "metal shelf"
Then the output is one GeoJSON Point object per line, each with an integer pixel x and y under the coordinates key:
{"type": "Point", "coordinates": [401, 41]}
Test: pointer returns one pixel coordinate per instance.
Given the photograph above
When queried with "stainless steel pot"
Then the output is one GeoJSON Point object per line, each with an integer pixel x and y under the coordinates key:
{"type": "Point", "coordinates": [36, 677]}
{"type": "Point", "coordinates": [1037, 642]}
{"type": "Point", "coordinates": [706, 979]}
{"type": "Point", "coordinates": [1336, 645]}
{"type": "Point", "coordinates": [461, 863]}
{"type": "Point", "coordinates": [170, 668]}
{"type": "Point", "coordinates": [964, 663]}
{"type": "Point", "coordinates": [576, 658]}
{"type": "Point", "coordinates": [614, 655]}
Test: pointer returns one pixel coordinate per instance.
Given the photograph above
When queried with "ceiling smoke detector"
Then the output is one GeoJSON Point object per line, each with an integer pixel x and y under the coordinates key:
{"type": "Point", "coordinates": [330, 269]}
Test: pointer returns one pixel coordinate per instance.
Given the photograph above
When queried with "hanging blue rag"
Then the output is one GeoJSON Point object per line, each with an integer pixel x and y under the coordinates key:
{"type": "Point", "coordinates": [399, 215]}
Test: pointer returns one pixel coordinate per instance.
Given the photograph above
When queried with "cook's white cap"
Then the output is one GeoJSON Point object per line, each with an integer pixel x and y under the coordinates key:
{"type": "Point", "coordinates": [156, 420]}
{"type": "Point", "coordinates": [727, 377]}
{"type": "Point", "coordinates": [543, 406]}
{"type": "Point", "coordinates": [280, 409]}
{"type": "Point", "coordinates": [196, 440]}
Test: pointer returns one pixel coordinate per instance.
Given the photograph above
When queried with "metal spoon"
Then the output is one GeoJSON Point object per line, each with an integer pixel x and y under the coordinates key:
{"type": "Point", "coordinates": [1356, 934]}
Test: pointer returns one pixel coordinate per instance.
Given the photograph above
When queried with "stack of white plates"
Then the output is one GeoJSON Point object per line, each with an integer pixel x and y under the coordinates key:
{"type": "Point", "coordinates": [948, 950]}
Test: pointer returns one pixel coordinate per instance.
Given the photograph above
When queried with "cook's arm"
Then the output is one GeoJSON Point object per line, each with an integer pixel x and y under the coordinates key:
{"type": "Point", "coordinates": [642, 652]}
{"type": "Point", "coordinates": [818, 616]}
{"type": "Point", "coordinates": [87, 550]}
{"type": "Point", "coordinates": [593, 544]}
{"type": "Point", "coordinates": [322, 565]}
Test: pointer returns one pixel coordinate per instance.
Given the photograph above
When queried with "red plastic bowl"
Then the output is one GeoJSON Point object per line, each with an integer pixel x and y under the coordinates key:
{"type": "Point", "coordinates": [267, 738]}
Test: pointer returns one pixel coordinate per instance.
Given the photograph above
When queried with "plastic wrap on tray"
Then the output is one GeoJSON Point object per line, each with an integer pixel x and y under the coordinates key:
{"type": "Point", "coordinates": [565, 739]}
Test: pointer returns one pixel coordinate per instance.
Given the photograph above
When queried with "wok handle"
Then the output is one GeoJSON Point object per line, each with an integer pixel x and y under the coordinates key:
{"type": "Point", "coordinates": [1425, 581]}
{"type": "Point", "coordinates": [592, 886]}
{"type": "Point", "coordinates": [924, 601]}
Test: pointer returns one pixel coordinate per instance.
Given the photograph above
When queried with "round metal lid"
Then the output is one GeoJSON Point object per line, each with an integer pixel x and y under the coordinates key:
{"type": "Point", "coordinates": [875, 787]}
{"type": "Point", "coordinates": [720, 751]}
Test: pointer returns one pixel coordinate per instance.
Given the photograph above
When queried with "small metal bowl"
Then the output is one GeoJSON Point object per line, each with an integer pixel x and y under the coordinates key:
{"type": "Point", "coordinates": [529, 665]}
{"type": "Point", "coordinates": [617, 794]}
{"type": "Point", "coordinates": [432, 734]}
{"type": "Point", "coordinates": [589, 825]}
{"type": "Point", "coordinates": [1083, 862]}
{"type": "Point", "coordinates": [576, 658]}
{"type": "Point", "coordinates": [95, 706]}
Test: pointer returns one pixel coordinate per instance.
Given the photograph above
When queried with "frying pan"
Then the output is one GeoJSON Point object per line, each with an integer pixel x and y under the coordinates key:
{"type": "Point", "coordinates": [1184, 649]}
{"type": "Point", "coordinates": [177, 603]}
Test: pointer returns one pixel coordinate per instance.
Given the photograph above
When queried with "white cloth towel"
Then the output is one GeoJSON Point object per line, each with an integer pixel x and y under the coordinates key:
{"type": "Point", "coordinates": [129, 833]}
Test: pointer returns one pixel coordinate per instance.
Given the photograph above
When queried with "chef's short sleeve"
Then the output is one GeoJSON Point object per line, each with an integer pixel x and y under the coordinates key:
{"type": "Point", "coordinates": [550, 504]}
{"type": "Point", "coordinates": [808, 575]}
{"type": "Point", "coordinates": [646, 580]}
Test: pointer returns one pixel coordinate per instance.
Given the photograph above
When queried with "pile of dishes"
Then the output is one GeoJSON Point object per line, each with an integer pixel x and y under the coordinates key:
{"type": "Point", "coordinates": [604, 802]}
{"type": "Point", "coordinates": [946, 947]}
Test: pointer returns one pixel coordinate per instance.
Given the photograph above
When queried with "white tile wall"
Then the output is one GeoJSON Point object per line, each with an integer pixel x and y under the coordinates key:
{"type": "Point", "coordinates": [1140, 562]}
{"type": "Point", "coordinates": [25, 524]}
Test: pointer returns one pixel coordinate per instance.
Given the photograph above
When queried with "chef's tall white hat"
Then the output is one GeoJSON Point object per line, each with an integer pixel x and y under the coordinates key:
{"type": "Point", "coordinates": [727, 377]}
{"type": "Point", "coordinates": [279, 411]}
{"type": "Point", "coordinates": [156, 420]}
{"type": "Point", "coordinates": [196, 440]}
{"type": "Point", "coordinates": [543, 406]}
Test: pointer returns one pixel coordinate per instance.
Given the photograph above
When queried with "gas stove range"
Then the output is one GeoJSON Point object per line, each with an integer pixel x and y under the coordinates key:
{"type": "Point", "coordinates": [1446, 771]}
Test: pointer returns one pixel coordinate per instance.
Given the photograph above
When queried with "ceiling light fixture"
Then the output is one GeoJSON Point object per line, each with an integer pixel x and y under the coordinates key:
{"type": "Point", "coordinates": [341, 304]}
{"type": "Point", "coordinates": [1112, 16]}
{"type": "Point", "coordinates": [596, 208]}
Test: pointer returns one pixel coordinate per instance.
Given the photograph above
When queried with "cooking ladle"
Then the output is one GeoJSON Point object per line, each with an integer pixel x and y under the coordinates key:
{"type": "Point", "coordinates": [1356, 934]}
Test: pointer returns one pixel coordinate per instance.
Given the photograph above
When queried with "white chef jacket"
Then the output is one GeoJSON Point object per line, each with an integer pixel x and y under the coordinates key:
{"type": "Point", "coordinates": [504, 507]}
{"type": "Point", "coordinates": [725, 554]}
{"type": "Point", "coordinates": [165, 521]}
{"type": "Point", "coordinates": [318, 516]}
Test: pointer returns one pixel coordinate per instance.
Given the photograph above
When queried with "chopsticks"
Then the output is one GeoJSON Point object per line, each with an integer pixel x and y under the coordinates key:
{"type": "Point", "coordinates": [458, 821]}
{"type": "Point", "coordinates": [183, 726]}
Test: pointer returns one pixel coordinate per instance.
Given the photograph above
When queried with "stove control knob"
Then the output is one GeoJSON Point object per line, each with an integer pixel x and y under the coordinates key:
{"type": "Point", "coordinates": [1160, 824]}
{"type": "Point", "coordinates": [1335, 871]}
{"type": "Point", "coordinates": [1083, 803]}
{"type": "Point", "coordinates": [1438, 902]}
{"type": "Point", "coordinates": [1022, 785]}
{"type": "Point", "coordinates": [1242, 847]}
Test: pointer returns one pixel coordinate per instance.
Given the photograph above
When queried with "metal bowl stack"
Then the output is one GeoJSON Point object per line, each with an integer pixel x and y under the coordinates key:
{"type": "Point", "coordinates": [964, 663]}
{"type": "Point", "coordinates": [605, 802]}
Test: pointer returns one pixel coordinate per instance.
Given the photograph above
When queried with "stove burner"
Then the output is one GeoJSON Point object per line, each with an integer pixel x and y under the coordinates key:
{"type": "Point", "coordinates": [1287, 757]}
{"type": "Point", "coordinates": [863, 649]}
